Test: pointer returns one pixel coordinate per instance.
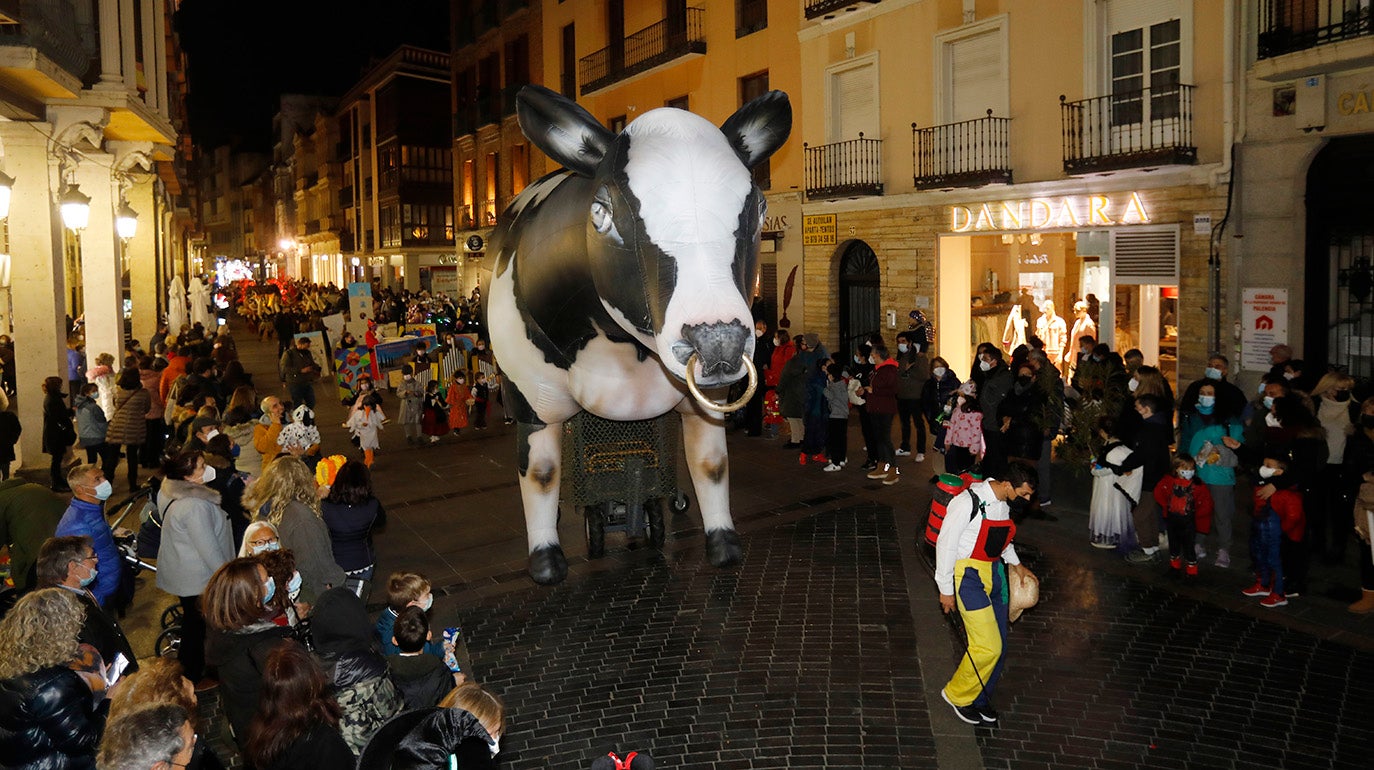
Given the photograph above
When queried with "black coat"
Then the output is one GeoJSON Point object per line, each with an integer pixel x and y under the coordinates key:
{"type": "Point", "coordinates": [446, 731]}
{"type": "Point", "coordinates": [101, 631]}
{"type": "Point", "coordinates": [49, 721]}
{"type": "Point", "coordinates": [319, 748]}
{"type": "Point", "coordinates": [1026, 410]}
{"type": "Point", "coordinates": [58, 432]}
{"type": "Point", "coordinates": [241, 657]}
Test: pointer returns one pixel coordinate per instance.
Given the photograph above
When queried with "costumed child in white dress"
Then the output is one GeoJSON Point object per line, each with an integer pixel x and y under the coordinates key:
{"type": "Point", "coordinates": [365, 423]}
{"type": "Point", "coordinates": [1117, 480]}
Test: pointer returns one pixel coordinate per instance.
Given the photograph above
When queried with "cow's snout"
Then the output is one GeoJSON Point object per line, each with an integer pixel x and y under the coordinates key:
{"type": "Point", "coordinates": [719, 347]}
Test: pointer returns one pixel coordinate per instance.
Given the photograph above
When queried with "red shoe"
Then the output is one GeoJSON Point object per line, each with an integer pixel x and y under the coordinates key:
{"type": "Point", "coordinates": [1176, 562]}
{"type": "Point", "coordinates": [1257, 589]}
{"type": "Point", "coordinates": [1191, 571]}
{"type": "Point", "coordinates": [801, 459]}
{"type": "Point", "coordinates": [1273, 600]}
{"type": "Point", "coordinates": [818, 457]}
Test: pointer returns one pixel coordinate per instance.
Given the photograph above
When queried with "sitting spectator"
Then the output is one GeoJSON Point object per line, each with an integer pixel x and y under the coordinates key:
{"type": "Point", "coordinates": [71, 563]}
{"type": "Point", "coordinates": [351, 512]}
{"type": "Point", "coordinates": [86, 517]}
{"type": "Point", "coordinates": [149, 738]}
{"type": "Point", "coordinates": [405, 589]}
{"type": "Point", "coordinates": [287, 497]}
{"type": "Point", "coordinates": [468, 727]}
{"type": "Point", "coordinates": [422, 678]}
{"type": "Point", "coordinates": [297, 723]}
{"type": "Point", "coordinates": [242, 635]}
{"type": "Point", "coordinates": [48, 713]}
{"type": "Point", "coordinates": [344, 644]}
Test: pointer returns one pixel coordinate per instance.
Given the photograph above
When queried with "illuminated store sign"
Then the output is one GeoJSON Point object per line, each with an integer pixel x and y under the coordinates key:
{"type": "Point", "coordinates": [1050, 213]}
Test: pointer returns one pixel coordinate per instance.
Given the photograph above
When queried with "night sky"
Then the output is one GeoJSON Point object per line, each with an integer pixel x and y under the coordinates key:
{"type": "Point", "coordinates": [242, 54]}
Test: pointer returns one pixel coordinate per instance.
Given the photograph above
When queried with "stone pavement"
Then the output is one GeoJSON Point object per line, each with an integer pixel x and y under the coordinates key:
{"type": "Point", "coordinates": [826, 648]}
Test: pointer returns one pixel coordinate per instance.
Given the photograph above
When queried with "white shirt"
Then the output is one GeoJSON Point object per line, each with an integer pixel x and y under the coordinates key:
{"type": "Point", "coordinates": [957, 537]}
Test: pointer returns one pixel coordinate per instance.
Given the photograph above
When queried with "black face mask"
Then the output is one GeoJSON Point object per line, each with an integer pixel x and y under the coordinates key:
{"type": "Point", "coordinates": [1018, 504]}
{"type": "Point", "coordinates": [1342, 395]}
{"type": "Point", "coordinates": [1023, 380]}
{"type": "Point", "coordinates": [1367, 421]}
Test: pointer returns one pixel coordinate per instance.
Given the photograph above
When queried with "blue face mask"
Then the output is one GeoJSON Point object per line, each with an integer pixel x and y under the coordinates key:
{"type": "Point", "coordinates": [1212, 373]}
{"type": "Point", "coordinates": [1268, 402]}
{"type": "Point", "coordinates": [271, 588]}
{"type": "Point", "coordinates": [294, 584]}
{"type": "Point", "coordinates": [85, 581]}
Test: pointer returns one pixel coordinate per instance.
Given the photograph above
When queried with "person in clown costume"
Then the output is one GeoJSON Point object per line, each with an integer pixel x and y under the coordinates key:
{"type": "Point", "coordinates": [975, 542]}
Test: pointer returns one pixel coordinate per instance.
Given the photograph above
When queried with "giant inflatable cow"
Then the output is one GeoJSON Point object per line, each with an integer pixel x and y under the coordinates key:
{"type": "Point", "coordinates": [621, 285]}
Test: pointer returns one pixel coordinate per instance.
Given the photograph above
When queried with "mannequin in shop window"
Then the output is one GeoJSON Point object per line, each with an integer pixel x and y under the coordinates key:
{"type": "Point", "coordinates": [1083, 324]}
{"type": "Point", "coordinates": [1052, 329]}
{"type": "Point", "coordinates": [1014, 333]}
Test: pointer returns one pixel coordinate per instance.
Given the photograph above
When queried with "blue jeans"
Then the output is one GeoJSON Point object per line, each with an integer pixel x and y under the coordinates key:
{"type": "Point", "coordinates": [1266, 537]}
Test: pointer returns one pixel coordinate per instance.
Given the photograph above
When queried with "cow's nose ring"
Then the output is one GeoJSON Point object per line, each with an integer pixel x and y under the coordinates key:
{"type": "Point", "coordinates": [710, 405]}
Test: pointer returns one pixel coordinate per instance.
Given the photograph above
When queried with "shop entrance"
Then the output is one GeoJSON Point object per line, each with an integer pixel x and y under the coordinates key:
{"type": "Point", "coordinates": [860, 305]}
{"type": "Point", "coordinates": [1339, 296]}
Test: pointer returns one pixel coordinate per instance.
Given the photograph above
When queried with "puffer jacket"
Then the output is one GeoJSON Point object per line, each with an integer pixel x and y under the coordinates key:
{"type": "Point", "coordinates": [83, 519]}
{"type": "Point", "coordinates": [241, 657]}
{"type": "Point", "coordinates": [91, 423]}
{"type": "Point", "coordinates": [196, 539]}
{"type": "Point", "coordinates": [362, 683]}
{"type": "Point", "coordinates": [128, 425]}
{"type": "Point", "coordinates": [49, 721]}
{"type": "Point", "coordinates": [441, 733]}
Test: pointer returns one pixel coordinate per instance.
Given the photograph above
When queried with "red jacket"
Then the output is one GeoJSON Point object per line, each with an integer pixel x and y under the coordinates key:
{"type": "Point", "coordinates": [1176, 505]}
{"type": "Point", "coordinates": [883, 399]}
{"type": "Point", "coordinates": [176, 366]}
{"type": "Point", "coordinates": [781, 354]}
{"type": "Point", "coordinates": [1287, 503]}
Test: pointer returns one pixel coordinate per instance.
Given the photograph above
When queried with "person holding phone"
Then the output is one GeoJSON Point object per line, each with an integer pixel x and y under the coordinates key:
{"type": "Point", "coordinates": [72, 564]}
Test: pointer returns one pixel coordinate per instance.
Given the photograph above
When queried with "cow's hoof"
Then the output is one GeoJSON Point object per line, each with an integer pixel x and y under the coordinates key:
{"type": "Point", "coordinates": [722, 548]}
{"type": "Point", "coordinates": [548, 565]}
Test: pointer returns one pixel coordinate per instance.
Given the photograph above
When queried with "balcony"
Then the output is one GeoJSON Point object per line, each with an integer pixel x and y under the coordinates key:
{"type": "Point", "coordinates": [1130, 129]}
{"type": "Point", "coordinates": [656, 44]}
{"type": "Point", "coordinates": [847, 169]}
{"type": "Point", "coordinates": [50, 28]}
{"type": "Point", "coordinates": [829, 9]}
{"type": "Point", "coordinates": [970, 153]}
{"type": "Point", "coordinates": [1286, 26]}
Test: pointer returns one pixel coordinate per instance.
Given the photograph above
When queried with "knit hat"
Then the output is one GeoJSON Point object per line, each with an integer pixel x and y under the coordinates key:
{"type": "Point", "coordinates": [813, 340]}
{"type": "Point", "coordinates": [201, 423]}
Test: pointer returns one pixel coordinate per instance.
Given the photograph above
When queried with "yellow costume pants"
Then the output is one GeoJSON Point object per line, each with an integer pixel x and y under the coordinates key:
{"type": "Point", "coordinates": [980, 591]}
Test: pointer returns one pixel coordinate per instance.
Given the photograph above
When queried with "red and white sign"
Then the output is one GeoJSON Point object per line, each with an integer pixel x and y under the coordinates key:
{"type": "Point", "coordinates": [1263, 324]}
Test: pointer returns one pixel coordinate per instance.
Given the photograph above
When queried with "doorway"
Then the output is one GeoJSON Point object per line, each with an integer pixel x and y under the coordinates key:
{"type": "Point", "coordinates": [860, 305]}
{"type": "Point", "coordinates": [1338, 326]}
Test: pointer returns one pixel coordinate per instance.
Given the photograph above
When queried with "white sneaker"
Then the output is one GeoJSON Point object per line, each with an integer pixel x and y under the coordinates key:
{"type": "Point", "coordinates": [843, 463]}
{"type": "Point", "coordinates": [903, 453]}
{"type": "Point", "coordinates": [920, 457]}
{"type": "Point", "coordinates": [1200, 551]}
{"type": "Point", "coordinates": [831, 468]}
{"type": "Point", "coordinates": [1223, 558]}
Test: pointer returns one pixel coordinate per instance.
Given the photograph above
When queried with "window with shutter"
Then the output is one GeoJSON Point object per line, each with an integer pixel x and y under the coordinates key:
{"type": "Point", "coordinates": [977, 76]}
{"type": "Point", "coordinates": [1145, 256]}
{"type": "Point", "coordinates": [854, 102]}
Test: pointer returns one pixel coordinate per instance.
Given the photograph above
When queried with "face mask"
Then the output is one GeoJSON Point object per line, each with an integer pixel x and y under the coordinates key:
{"type": "Point", "coordinates": [85, 581]}
{"type": "Point", "coordinates": [939, 372]}
{"type": "Point", "coordinates": [1212, 373]}
{"type": "Point", "coordinates": [1205, 408]}
{"type": "Point", "coordinates": [874, 361]}
{"type": "Point", "coordinates": [428, 602]}
{"type": "Point", "coordinates": [1023, 380]}
{"type": "Point", "coordinates": [209, 475]}
{"type": "Point", "coordinates": [271, 587]}
{"type": "Point", "coordinates": [1186, 475]}
{"type": "Point", "coordinates": [1084, 351]}
{"type": "Point", "coordinates": [902, 348]}
{"type": "Point", "coordinates": [1261, 388]}
{"type": "Point", "coordinates": [103, 490]}
{"type": "Point", "coordinates": [272, 546]}
{"type": "Point", "coordinates": [294, 584]}
{"type": "Point", "coordinates": [985, 366]}
{"type": "Point", "coordinates": [494, 746]}
{"type": "Point", "coordinates": [1268, 402]}
{"type": "Point", "coordinates": [1207, 401]}
{"type": "Point", "coordinates": [211, 434]}
{"type": "Point", "coordinates": [1290, 376]}
{"type": "Point", "coordinates": [1097, 359]}
{"type": "Point", "coordinates": [758, 334]}
{"type": "Point", "coordinates": [365, 387]}
{"type": "Point", "coordinates": [1341, 395]}
{"type": "Point", "coordinates": [1272, 421]}
{"type": "Point", "coordinates": [234, 451]}
{"type": "Point", "coordinates": [1132, 385]}
{"type": "Point", "coordinates": [1267, 472]}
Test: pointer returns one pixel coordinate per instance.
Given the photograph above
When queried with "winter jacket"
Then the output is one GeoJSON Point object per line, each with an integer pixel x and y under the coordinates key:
{"type": "Point", "coordinates": [101, 630]}
{"type": "Point", "coordinates": [265, 435]}
{"type": "Point", "coordinates": [992, 390]}
{"type": "Point", "coordinates": [58, 433]}
{"type": "Point", "coordinates": [441, 734]}
{"type": "Point", "coordinates": [29, 514]}
{"type": "Point", "coordinates": [935, 394]}
{"type": "Point", "coordinates": [318, 747]}
{"type": "Point", "coordinates": [384, 628]}
{"type": "Point", "coordinates": [293, 361]}
{"type": "Point", "coordinates": [1026, 434]}
{"type": "Point", "coordinates": [91, 424]}
{"type": "Point", "coordinates": [837, 400]}
{"type": "Point", "coordinates": [104, 379]}
{"type": "Point", "coordinates": [249, 460]}
{"type": "Point", "coordinates": [792, 388]}
{"type": "Point", "coordinates": [913, 370]}
{"type": "Point", "coordinates": [176, 367]}
{"type": "Point", "coordinates": [1203, 431]}
{"type": "Point", "coordinates": [88, 519]}
{"type": "Point", "coordinates": [412, 395]}
{"type": "Point", "coordinates": [129, 424]}
{"type": "Point", "coordinates": [305, 535]}
{"type": "Point", "coordinates": [362, 685]}
{"type": "Point", "coordinates": [350, 531]}
{"type": "Point", "coordinates": [196, 539]}
{"type": "Point", "coordinates": [422, 680]}
{"type": "Point", "coordinates": [1176, 496]}
{"type": "Point", "coordinates": [1151, 445]}
{"type": "Point", "coordinates": [49, 721]}
{"type": "Point", "coordinates": [241, 657]}
{"type": "Point", "coordinates": [883, 399]}
{"type": "Point", "coordinates": [150, 379]}
{"type": "Point", "coordinates": [10, 431]}
{"type": "Point", "coordinates": [1287, 503]}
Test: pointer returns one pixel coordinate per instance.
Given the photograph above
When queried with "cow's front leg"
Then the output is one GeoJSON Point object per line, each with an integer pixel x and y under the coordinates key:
{"type": "Point", "coordinates": [540, 449]}
{"type": "Point", "coordinates": [703, 437]}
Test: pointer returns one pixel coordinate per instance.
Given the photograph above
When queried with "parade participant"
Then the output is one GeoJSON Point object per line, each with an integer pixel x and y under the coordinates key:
{"type": "Point", "coordinates": [975, 539]}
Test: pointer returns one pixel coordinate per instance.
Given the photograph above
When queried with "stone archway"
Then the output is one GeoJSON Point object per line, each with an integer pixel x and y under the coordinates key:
{"type": "Point", "coordinates": [860, 294]}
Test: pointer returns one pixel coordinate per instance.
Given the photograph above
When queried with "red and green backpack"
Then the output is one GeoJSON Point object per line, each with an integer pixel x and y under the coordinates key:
{"type": "Point", "coordinates": [947, 487]}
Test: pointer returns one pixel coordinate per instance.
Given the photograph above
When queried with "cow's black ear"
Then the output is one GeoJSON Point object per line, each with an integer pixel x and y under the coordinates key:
{"type": "Point", "coordinates": [642, 762]}
{"type": "Point", "coordinates": [760, 127]}
{"type": "Point", "coordinates": [603, 762]}
{"type": "Point", "coordinates": [562, 129]}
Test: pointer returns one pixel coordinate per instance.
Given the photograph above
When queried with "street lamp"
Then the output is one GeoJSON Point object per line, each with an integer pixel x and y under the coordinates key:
{"type": "Point", "coordinates": [6, 188]}
{"type": "Point", "coordinates": [126, 222]}
{"type": "Point", "coordinates": [76, 208]}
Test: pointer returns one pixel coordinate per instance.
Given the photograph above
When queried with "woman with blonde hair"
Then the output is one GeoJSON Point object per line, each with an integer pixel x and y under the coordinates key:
{"type": "Point", "coordinates": [287, 497]}
{"type": "Point", "coordinates": [468, 726]}
{"type": "Point", "coordinates": [158, 680]}
{"type": "Point", "coordinates": [1331, 500]}
{"type": "Point", "coordinates": [49, 716]}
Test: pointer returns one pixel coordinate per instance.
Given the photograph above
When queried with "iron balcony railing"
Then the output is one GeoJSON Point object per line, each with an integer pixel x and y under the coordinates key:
{"type": "Point", "coordinates": [1129, 129]}
{"type": "Point", "coordinates": [844, 169]}
{"type": "Point", "coordinates": [656, 44]}
{"type": "Point", "coordinates": [818, 9]}
{"type": "Point", "coordinates": [50, 27]}
{"type": "Point", "coordinates": [1286, 26]}
{"type": "Point", "coordinates": [970, 153]}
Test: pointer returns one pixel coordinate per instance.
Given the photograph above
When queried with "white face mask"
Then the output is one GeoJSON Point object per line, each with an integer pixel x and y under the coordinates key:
{"type": "Point", "coordinates": [103, 490]}
{"type": "Point", "coordinates": [494, 745]}
{"type": "Point", "coordinates": [985, 366]}
{"type": "Point", "coordinates": [1290, 375]}
{"type": "Point", "coordinates": [211, 434]}
{"type": "Point", "coordinates": [1272, 421]}
{"type": "Point", "coordinates": [1132, 385]}
{"type": "Point", "coordinates": [1267, 472]}
{"type": "Point", "coordinates": [1186, 475]}
{"type": "Point", "coordinates": [209, 475]}
{"type": "Point", "coordinates": [902, 348]}
{"type": "Point", "coordinates": [294, 584]}
{"type": "Point", "coordinates": [939, 372]}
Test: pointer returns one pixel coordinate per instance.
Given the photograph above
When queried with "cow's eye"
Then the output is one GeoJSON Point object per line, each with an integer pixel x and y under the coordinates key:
{"type": "Point", "coordinates": [601, 216]}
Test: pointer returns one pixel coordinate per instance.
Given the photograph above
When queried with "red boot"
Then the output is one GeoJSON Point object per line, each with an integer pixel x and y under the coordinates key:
{"type": "Point", "coordinates": [1192, 570]}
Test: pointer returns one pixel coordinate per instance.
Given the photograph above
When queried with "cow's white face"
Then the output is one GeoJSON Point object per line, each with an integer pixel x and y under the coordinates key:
{"type": "Point", "coordinates": [672, 236]}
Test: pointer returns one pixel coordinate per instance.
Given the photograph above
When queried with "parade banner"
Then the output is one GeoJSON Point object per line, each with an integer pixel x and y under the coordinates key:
{"type": "Point", "coordinates": [349, 365]}
{"type": "Point", "coordinates": [359, 307]}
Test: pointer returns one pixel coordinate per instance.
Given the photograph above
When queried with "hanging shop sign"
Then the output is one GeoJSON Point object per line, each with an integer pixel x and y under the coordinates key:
{"type": "Point", "coordinates": [1051, 213]}
{"type": "Point", "coordinates": [818, 230]}
{"type": "Point", "coordinates": [1263, 324]}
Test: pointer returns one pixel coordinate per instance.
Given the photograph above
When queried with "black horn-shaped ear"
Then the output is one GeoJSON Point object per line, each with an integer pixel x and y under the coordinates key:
{"type": "Point", "coordinates": [760, 127]}
{"type": "Point", "coordinates": [562, 129]}
{"type": "Point", "coordinates": [603, 762]}
{"type": "Point", "coordinates": [642, 762]}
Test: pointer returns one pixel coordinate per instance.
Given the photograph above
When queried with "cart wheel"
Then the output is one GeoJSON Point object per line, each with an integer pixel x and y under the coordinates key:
{"type": "Point", "coordinates": [171, 616]}
{"type": "Point", "coordinates": [168, 642]}
{"type": "Point", "coordinates": [657, 534]}
{"type": "Point", "coordinates": [596, 532]}
{"type": "Point", "coordinates": [680, 502]}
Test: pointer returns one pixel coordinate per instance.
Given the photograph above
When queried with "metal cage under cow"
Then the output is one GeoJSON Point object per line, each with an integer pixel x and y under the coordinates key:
{"type": "Point", "coordinates": [621, 474]}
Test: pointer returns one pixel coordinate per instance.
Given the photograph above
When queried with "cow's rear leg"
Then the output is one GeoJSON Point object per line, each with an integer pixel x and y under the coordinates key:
{"type": "Point", "coordinates": [703, 438]}
{"type": "Point", "coordinates": [540, 449]}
